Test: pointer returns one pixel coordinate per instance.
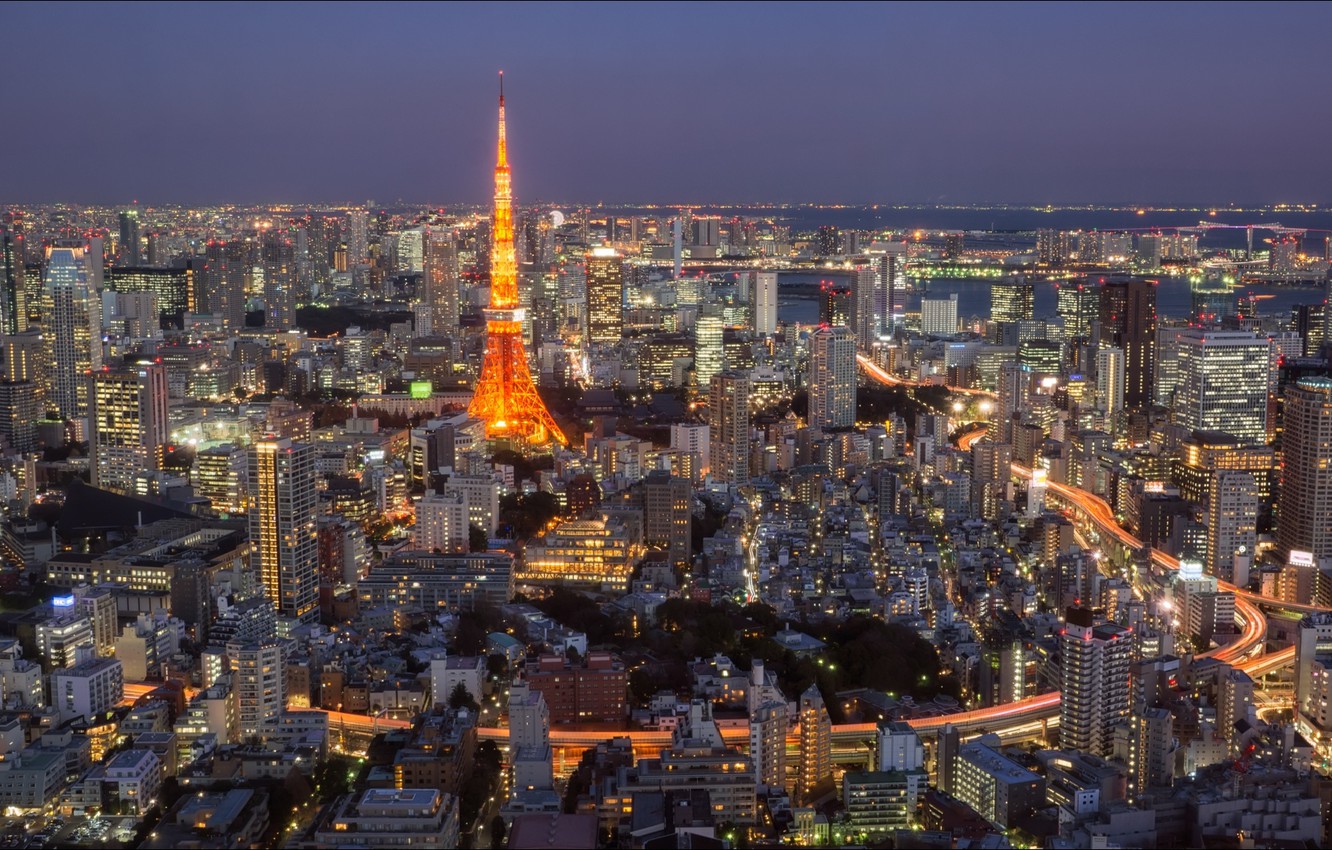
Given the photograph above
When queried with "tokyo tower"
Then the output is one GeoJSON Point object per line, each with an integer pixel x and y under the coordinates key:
{"type": "Point", "coordinates": [506, 400]}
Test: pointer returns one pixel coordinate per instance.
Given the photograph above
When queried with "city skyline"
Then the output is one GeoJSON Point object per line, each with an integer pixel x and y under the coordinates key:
{"type": "Point", "coordinates": [872, 116]}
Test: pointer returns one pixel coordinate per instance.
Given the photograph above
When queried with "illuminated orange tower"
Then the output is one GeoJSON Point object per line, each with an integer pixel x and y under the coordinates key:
{"type": "Point", "coordinates": [506, 398]}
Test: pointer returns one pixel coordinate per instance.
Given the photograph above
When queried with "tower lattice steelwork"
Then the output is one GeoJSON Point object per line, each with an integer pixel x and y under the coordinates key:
{"type": "Point", "coordinates": [506, 399]}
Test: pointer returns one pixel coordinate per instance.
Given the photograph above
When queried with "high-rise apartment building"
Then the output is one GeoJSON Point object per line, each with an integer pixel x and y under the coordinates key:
{"type": "Point", "coordinates": [1305, 503]}
{"type": "Point", "coordinates": [991, 470]}
{"type": "Point", "coordinates": [442, 523]}
{"type": "Point", "coordinates": [1096, 692]}
{"type": "Point", "coordinates": [127, 423]}
{"type": "Point", "coordinates": [72, 329]}
{"type": "Point", "coordinates": [277, 257]}
{"type": "Point", "coordinates": [227, 267]}
{"type": "Point", "coordinates": [1110, 378]}
{"type": "Point", "coordinates": [1232, 523]}
{"type": "Point", "coordinates": [1012, 300]}
{"type": "Point", "coordinates": [1313, 680]}
{"type": "Point", "coordinates": [1224, 381]}
{"type": "Point", "coordinates": [864, 293]}
{"type": "Point", "coordinates": [815, 744]}
{"type": "Point", "coordinates": [765, 304]}
{"type": "Point", "coordinates": [1127, 319]}
{"type": "Point", "coordinates": [259, 686]}
{"type": "Point", "coordinates": [441, 283]}
{"type": "Point", "coordinates": [605, 296]}
{"type": "Point", "coordinates": [832, 378]}
{"type": "Point", "coordinates": [728, 427]}
{"type": "Point", "coordinates": [282, 525]}
{"type": "Point", "coordinates": [667, 512]}
{"type": "Point", "coordinates": [938, 315]}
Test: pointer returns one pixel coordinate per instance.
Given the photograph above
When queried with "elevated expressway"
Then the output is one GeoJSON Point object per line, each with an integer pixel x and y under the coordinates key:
{"type": "Point", "coordinates": [854, 743]}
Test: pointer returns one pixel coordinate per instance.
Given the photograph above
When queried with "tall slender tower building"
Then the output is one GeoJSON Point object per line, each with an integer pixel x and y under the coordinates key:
{"type": "Point", "coordinates": [506, 399]}
{"type": "Point", "coordinates": [72, 329]}
{"type": "Point", "coordinates": [441, 281]}
{"type": "Point", "coordinates": [1306, 470]}
{"type": "Point", "coordinates": [605, 296]}
{"type": "Point", "coordinates": [1128, 321]}
{"type": "Point", "coordinates": [128, 418]}
{"type": "Point", "coordinates": [1095, 682]}
{"type": "Point", "coordinates": [13, 297]}
{"type": "Point", "coordinates": [728, 427]}
{"type": "Point", "coordinates": [282, 526]}
{"type": "Point", "coordinates": [832, 378]}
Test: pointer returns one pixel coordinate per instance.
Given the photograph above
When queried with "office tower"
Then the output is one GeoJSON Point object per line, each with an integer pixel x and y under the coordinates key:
{"type": "Point", "coordinates": [284, 548]}
{"type": "Point", "coordinates": [938, 316]}
{"type": "Point", "coordinates": [1232, 523]}
{"type": "Point", "coordinates": [836, 304]}
{"type": "Point", "coordinates": [709, 343]}
{"type": "Point", "coordinates": [767, 744]}
{"type": "Point", "coordinates": [1095, 692]}
{"type": "Point", "coordinates": [1313, 679]}
{"type": "Point", "coordinates": [605, 296]}
{"type": "Point", "coordinates": [863, 294]}
{"type": "Point", "coordinates": [226, 268]}
{"type": "Point", "coordinates": [1128, 321]}
{"type": "Point", "coordinates": [815, 745]}
{"type": "Point", "coordinates": [991, 470]}
{"type": "Point", "coordinates": [667, 512]}
{"type": "Point", "coordinates": [1311, 324]}
{"type": "Point", "coordinates": [832, 378]}
{"type": "Point", "coordinates": [219, 475]}
{"type": "Point", "coordinates": [1110, 379]}
{"type": "Point", "coordinates": [277, 259]}
{"type": "Point", "coordinates": [1078, 303]}
{"type": "Point", "coordinates": [1224, 379]}
{"type": "Point", "coordinates": [1012, 300]}
{"type": "Point", "coordinates": [506, 399]}
{"type": "Point", "coordinates": [441, 283]}
{"type": "Point", "coordinates": [1305, 503]}
{"type": "Point", "coordinates": [128, 423]}
{"type": "Point", "coordinates": [728, 427]}
{"type": "Point", "coordinates": [130, 235]}
{"type": "Point", "coordinates": [765, 304]}
{"type": "Point", "coordinates": [13, 286]}
{"type": "Point", "coordinates": [72, 329]}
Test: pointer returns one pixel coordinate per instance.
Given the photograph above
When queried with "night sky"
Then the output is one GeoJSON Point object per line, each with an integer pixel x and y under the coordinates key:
{"type": "Point", "coordinates": [673, 103]}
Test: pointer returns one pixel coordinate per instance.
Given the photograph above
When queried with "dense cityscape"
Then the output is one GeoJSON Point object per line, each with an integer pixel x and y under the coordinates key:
{"type": "Point", "coordinates": [538, 524]}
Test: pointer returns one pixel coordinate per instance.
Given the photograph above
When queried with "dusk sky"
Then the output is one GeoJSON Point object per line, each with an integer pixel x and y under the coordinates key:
{"type": "Point", "coordinates": [672, 103]}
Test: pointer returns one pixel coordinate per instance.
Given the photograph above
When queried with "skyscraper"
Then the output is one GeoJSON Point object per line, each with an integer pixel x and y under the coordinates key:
{"type": "Point", "coordinates": [278, 261]}
{"type": "Point", "coordinates": [1305, 503]}
{"type": "Point", "coordinates": [128, 424]}
{"type": "Point", "coordinates": [72, 329]}
{"type": "Point", "coordinates": [1313, 684]}
{"type": "Point", "coordinates": [283, 538]}
{"type": "Point", "coordinates": [890, 269]}
{"type": "Point", "coordinates": [837, 305]}
{"type": "Point", "coordinates": [226, 267]}
{"type": "Point", "coordinates": [728, 427]}
{"type": "Point", "coordinates": [832, 378]}
{"type": "Point", "coordinates": [1078, 303]}
{"type": "Point", "coordinates": [1110, 379]}
{"type": "Point", "coordinates": [863, 294]}
{"type": "Point", "coordinates": [506, 399]}
{"type": "Point", "coordinates": [1096, 692]}
{"type": "Point", "coordinates": [605, 296]}
{"type": "Point", "coordinates": [991, 470]}
{"type": "Point", "coordinates": [441, 283]}
{"type": "Point", "coordinates": [13, 295]}
{"type": "Point", "coordinates": [765, 304]}
{"type": "Point", "coordinates": [709, 343]}
{"type": "Point", "coordinates": [130, 235]}
{"type": "Point", "coordinates": [1012, 300]}
{"type": "Point", "coordinates": [1224, 382]}
{"type": "Point", "coordinates": [1128, 321]}
{"type": "Point", "coordinates": [667, 509]}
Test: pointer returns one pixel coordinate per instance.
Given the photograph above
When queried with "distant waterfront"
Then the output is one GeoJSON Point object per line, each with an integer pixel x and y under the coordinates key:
{"type": "Point", "coordinates": [973, 297]}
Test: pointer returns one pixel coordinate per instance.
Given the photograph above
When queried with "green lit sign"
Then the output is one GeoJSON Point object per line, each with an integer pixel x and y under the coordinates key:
{"type": "Point", "coordinates": [421, 389]}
